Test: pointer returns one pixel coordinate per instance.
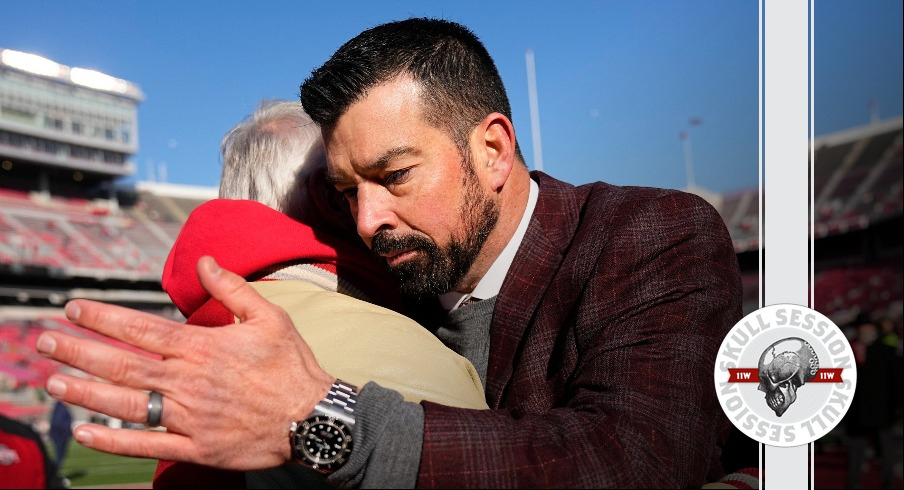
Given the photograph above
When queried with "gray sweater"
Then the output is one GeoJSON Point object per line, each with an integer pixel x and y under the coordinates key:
{"type": "Point", "coordinates": [389, 431]}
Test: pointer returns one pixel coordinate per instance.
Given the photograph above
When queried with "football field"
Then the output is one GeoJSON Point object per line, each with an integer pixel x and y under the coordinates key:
{"type": "Point", "coordinates": [87, 468]}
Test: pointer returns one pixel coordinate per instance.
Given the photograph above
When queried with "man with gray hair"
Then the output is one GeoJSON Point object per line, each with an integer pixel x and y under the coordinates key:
{"type": "Point", "coordinates": [268, 156]}
{"type": "Point", "coordinates": [301, 258]}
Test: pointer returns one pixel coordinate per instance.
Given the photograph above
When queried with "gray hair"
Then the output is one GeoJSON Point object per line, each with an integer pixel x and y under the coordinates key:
{"type": "Point", "coordinates": [269, 156]}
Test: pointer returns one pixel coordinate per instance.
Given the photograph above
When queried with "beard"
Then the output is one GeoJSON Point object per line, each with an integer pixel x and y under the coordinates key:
{"type": "Point", "coordinates": [437, 270]}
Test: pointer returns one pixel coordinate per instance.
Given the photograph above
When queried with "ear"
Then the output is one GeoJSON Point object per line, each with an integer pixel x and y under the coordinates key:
{"type": "Point", "coordinates": [494, 143]}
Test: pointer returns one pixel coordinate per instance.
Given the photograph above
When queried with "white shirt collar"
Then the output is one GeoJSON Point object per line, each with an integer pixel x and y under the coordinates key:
{"type": "Point", "coordinates": [491, 283]}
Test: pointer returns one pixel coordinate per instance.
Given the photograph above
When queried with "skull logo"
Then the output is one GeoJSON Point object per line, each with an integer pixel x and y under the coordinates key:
{"type": "Point", "coordinates": [784, 367]}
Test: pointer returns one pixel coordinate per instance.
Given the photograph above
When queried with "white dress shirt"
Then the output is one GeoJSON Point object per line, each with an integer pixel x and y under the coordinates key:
{"type": "Point", "coordinates": [491, 283]}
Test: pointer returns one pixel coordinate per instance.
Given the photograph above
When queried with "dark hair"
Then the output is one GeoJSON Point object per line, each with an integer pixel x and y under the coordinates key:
{"type": "Point", "coordinates": [460, 82]}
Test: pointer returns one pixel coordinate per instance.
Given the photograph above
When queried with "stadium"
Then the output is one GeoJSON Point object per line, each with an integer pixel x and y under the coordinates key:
{"type": "Point", "coordinates": [69, 228]}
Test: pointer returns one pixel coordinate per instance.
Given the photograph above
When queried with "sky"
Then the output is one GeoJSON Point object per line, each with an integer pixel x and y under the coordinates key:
{"type": "Point", "coordinates": [617, 81]}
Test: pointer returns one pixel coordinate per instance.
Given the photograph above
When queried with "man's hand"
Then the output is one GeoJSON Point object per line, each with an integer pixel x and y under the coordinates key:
{"type": "Point", "coordinates": [230, 393]}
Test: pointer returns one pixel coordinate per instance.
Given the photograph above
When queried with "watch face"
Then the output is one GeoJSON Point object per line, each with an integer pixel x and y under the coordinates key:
{"type": "Point", "coordinates": [323, 442]}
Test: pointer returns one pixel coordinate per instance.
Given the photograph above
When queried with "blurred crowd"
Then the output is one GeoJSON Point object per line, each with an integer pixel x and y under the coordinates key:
{"type": "Point", "coordinates": [873, 424]}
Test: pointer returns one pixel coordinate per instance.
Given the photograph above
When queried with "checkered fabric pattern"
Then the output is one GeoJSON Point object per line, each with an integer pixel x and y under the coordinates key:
{"type": "Point", "coordinates": [603, 344]}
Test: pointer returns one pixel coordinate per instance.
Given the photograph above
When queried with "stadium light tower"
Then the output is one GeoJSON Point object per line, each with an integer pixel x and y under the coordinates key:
{"type": "Point", "coordinates": [534, 109]}
{"type": "Point", "coordinates": [685, 136]}
{"type": "Point", "coordinates": [873, 111]}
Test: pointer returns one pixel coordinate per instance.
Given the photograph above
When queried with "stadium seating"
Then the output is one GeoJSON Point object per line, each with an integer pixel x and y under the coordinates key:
{"type": "Point", "coordinates": [76, 234]}
{"type": "Point", "coordinates": [21, 365]}
{"type": "Point", "coordinates": [740, 211]}
{"type": "Point", "coordinates": [856, 183]}
{"type": "Point", "coordinates": [849, 291]}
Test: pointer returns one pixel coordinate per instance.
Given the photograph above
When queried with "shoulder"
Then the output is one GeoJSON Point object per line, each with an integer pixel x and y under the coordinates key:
{"type": "Point", "coordinates": [617, 199]}
{"type": "Point", "coordinates": [375, 344]}
{"type": "Point", "coordinates": [629, 203]}
{"type": "Point", "coordinates": [608, 210]}
{"type": "Point", "coordinates": [308, 303]}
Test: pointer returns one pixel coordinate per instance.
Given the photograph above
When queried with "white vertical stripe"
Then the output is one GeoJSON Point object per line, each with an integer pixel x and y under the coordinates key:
{"type": "Point", "coordinates": [812, 156]}
{"type": "Point", "coordinates": [812, 227]}
{"type": "Point", "coordinates": [760, 448]}
{"type": "Point", "coordinates": [785, 145]}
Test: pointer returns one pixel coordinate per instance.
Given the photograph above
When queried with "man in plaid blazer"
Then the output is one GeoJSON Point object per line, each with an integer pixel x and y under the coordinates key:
{"type": "Point", "coordinates": [598, 342]}
{"type": "Point", "coordinates": [602, 307]}
{"type": "Point", "coordinates": [603, 342]}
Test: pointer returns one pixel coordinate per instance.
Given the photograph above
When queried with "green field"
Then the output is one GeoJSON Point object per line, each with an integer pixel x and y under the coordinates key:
{"type": "Point", "coordinates": [89, 468]}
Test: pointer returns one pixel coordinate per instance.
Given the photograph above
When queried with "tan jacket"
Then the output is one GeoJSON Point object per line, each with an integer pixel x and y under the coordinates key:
{"type": "Point", "coordinates": [359, 342]}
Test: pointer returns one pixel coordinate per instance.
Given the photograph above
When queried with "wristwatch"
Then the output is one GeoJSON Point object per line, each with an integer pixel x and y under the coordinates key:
{"type": "Point", "coordinates": [323, 441]}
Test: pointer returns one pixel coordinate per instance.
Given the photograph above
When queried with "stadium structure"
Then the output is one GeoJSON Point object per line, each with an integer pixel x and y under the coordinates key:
{"type": "Point", "coordinates": [857, 185]}
{"type": "Point", "coordinates": [69, 229]}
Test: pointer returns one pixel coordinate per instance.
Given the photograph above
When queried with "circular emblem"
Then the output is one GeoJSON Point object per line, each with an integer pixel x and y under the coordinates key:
{"type": "Point", "coordinates": [785, 375]}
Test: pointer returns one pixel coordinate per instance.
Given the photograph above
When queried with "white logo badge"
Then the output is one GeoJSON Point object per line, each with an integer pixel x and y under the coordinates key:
{"type": "Point", "coordinates": [785, 375]}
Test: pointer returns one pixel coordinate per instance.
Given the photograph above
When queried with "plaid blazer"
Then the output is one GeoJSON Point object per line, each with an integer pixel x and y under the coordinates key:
{"type": "Point", "coordinates": [603, 345]}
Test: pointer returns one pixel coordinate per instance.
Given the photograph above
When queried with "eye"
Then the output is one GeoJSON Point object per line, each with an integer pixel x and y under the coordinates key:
{"type": "Point", "coordinates": [350, 193]}
{"type": "Point", "coordinates": [397, 177]}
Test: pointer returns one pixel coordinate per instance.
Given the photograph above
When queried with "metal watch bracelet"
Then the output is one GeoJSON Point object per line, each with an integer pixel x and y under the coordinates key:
{"type": "Point", "coordinates": [340, 402]}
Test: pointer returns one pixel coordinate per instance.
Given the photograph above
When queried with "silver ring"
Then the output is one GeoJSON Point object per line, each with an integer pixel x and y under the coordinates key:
{"type": "Point", "coordinates": [155, 409]}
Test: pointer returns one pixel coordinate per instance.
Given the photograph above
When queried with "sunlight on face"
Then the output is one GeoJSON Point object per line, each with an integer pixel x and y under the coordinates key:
{"type": "Point", "coordinates": [415, 199]}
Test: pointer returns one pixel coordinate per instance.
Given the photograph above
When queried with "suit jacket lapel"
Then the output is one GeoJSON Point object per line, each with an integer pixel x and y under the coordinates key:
{"type": "Point", "coordinates": [538, 259]}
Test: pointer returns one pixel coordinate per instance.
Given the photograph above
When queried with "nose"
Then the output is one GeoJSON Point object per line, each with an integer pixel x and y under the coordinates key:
{"type": "Point", "coordinates": [373, 212]}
